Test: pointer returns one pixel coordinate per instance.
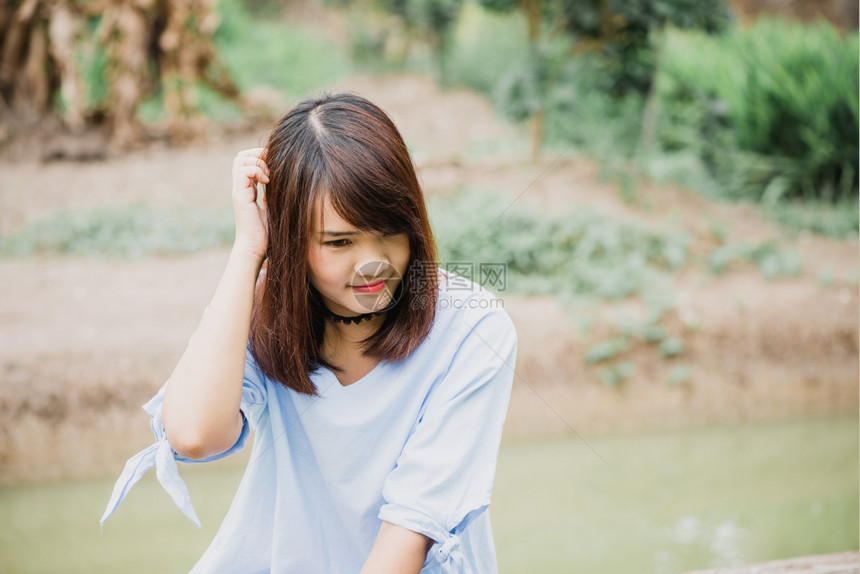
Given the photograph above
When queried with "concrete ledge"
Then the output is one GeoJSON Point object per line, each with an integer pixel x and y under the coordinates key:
{"type": "Point", "coordinates": [842, 563]}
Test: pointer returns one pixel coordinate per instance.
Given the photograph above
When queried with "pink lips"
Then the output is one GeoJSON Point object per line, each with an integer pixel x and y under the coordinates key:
{"type": "Point", "coordinates": [374, 287]}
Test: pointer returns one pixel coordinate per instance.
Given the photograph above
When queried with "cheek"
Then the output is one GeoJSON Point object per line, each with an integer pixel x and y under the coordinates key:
{"type": "Point", "coordinates": [329, 269]}
{"type": "Point", "coordinates": [316, 266]}
{"type": "Point", "coordinates": [402, 256]}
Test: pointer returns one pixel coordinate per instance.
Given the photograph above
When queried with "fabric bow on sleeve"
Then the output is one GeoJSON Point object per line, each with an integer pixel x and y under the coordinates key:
{"type": "Point", "coordinates": [163, 458]}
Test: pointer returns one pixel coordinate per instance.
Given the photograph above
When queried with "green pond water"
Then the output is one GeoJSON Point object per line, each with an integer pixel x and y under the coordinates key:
{"type": "Point", "coordinates": [659, 502]}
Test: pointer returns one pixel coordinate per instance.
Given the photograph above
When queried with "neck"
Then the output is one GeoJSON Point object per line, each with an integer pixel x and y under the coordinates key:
{"type": "Point", "coordinates": [345, 340]}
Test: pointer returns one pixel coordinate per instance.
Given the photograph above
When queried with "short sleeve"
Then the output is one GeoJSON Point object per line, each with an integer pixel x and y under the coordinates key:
{"type": "Point", "coordinates": [162, 456]}
{"type": "Point", "coordinates": [444, 475]}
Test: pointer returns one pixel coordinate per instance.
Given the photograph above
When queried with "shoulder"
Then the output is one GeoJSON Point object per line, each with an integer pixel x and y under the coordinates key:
{"type": "Point", "coordinates": [463, 305]}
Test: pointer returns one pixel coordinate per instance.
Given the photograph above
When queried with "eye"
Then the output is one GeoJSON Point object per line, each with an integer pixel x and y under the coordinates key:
{"type": "Point", "coordinates": [338, 243]}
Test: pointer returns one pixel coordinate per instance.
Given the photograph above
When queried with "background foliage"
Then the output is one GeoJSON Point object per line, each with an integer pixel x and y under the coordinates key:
{"type": "Point", "coordinates": [766, 113]}
{"type": "Point", "coordinates": [771, 109]}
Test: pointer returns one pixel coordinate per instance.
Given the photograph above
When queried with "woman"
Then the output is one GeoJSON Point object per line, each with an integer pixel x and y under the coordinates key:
{"type": "Point", "coordinates": [377, 384]}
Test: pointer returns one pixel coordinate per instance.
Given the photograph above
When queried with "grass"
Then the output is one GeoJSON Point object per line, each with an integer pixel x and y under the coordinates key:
{"type": "Point", "coordinates": [839, 220]}
{"type": "Point", "coordinates": [129, 231]}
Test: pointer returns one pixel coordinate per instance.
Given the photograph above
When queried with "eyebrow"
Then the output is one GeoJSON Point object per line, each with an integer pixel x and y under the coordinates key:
{"type": "Point", "coordinates": [339, 233]}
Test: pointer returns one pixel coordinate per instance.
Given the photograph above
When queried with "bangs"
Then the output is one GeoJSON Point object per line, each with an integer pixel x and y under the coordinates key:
{"type": "Point", "coordinates": [364, 192]}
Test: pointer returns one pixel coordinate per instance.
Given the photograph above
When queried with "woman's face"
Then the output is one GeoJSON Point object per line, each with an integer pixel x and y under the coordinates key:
{"type": "Point", "coordinates": [355, 271]}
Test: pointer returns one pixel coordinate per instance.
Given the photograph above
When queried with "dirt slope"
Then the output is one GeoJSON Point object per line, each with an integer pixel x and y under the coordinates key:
{"type": "Point", "coordinates": [84, 342]}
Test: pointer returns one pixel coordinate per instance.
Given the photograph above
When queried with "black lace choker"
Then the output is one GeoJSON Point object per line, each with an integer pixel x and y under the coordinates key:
{"type": "Point", "coordinates": [358, 318]}
{"type": "Point", "coordinates": [349, 320]}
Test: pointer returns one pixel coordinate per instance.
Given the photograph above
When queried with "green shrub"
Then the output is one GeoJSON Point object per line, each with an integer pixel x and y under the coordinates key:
{"type": "Point", "coordinates": [582, 252]}
{"type": "Point", "coordinates": [273, 51]}
{"type": "Point", "coordinates": [622, 31]}
{"type": "Point", "coordinates": [840, 220]}
{"type": "Point", "coordinates": [579, 112]}
{"type": "Point", "coordinates": [772, 109]}
{"type": "Point", "coordinates": [771, 259]}
{"type": "Point", "coordinates": [671, 347]}
{"type": "Point", "coordinates": [606, 350]}
{"type": "Point", "coordinates": [679, 374]}
{"type": "Point", "coordinates": [588, 258]}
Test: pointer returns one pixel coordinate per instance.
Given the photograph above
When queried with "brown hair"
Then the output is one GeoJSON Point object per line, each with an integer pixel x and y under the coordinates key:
{"type": "Point", "coordinates": [346, 149]}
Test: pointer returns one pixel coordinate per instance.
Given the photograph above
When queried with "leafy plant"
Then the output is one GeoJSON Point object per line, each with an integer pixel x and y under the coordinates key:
{"type": "Point", "coordinates": [772, 260]}
{"type": "Point", "coordinates": [772, 109]}
{"type": "Point", "coordinates": [837, 220]}
{"type": "Point", "coordinates": [614, 375]}
{"type": "Point", "coordinates": [127, 231]}
{"type": "Point", "coordinates": [671, 347]}
{"type": "Point", "coordinates": [679, 374]}
{"type": "Point", "coordinates": [584, 255]}
{"type": "Point", "coordinates": [486, 46]}
{"type": "Point", "coordinates": [270, 50]}
{"type": "Point", "coordinates": [621, 33]}
{"type": "Point", "coordinates": [582, 252]}
{"type": "Point", "coordinates": [606, 350]}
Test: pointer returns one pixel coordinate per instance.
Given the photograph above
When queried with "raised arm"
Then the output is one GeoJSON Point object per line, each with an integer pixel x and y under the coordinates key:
{"type": "Point", "coordinates": [201, 401]}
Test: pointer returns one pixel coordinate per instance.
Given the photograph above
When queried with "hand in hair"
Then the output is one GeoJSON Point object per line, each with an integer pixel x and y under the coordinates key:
{"type": "Point", "coordinates": [249, 170]}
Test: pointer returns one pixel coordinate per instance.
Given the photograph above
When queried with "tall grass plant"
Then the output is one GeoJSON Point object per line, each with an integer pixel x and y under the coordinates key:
{"type": "Point", "coordinates": [772, 109]}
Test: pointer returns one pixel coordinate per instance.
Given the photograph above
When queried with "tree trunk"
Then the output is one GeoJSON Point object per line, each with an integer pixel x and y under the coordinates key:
{"type": "Point", "coordinates": [125, 34]}
{"type": "Point", "coordinates": [146, 43]}
{"type": "Point", "coordinates": [537, 135]}
{"type": "Point", "coordinates": [188, 56]}
{"type": "Point", "coordinates": [532, 10]}
{"type": "Point", "coordinates": [63, 29]}
{"type": "Point", "coordinates": [651, 110]}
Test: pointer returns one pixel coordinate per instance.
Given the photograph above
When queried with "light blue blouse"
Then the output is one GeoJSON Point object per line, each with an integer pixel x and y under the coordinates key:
{"type": "Point", "coordinates": [414, 443]}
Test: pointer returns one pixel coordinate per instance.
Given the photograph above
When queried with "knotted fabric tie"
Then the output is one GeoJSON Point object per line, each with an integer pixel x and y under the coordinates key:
{"type": "Point", "coordinates": [449, 556]}
{"type": "Point", "coordinates": [159, 455]}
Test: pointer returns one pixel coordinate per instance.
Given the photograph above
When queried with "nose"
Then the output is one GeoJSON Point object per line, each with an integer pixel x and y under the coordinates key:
{"type": "Point", "coordinates": [373, 269]}
{"type": "Point", "coordinates": [372, 259]}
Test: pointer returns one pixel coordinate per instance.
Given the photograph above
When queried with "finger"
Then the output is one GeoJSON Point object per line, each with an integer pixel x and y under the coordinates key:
{"type": "Point", "coordinates": [252, 170]}
{"type": "Point", "coordinates": [259, 174]}
{"type": "Point", "coordinates": [254, 151]}
{"type": "Point", "coordinates": [249, 158]}
{"type": "Point", "coordinates": [248, 176]}
{"type": "Point", "coordinates": [245, 161]}
{"type": "Point", "coordinates": [253, 161]}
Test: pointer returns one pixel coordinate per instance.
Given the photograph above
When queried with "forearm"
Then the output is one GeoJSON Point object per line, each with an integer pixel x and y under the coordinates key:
{"type": "Point", "coordinates": [397, 550]}
{"type": "Point", "coordinates": [201, 402]}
